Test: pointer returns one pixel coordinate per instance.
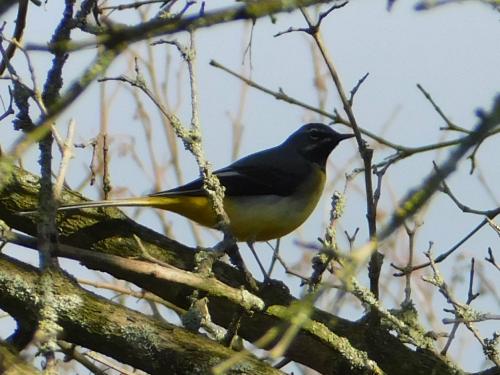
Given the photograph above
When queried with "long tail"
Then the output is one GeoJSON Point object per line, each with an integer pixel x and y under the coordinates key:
{"type": "Point", "coordinates": [127, 202]}
{"type": "Point", "coordinates": [195, 208]}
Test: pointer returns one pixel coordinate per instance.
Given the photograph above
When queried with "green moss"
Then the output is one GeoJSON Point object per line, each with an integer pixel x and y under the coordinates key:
{"type": "Point", "coordinates": [357, 358]}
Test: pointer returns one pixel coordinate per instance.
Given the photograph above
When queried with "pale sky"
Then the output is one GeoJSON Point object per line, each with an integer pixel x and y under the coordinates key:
{"type": "Point", "coordinates": [452, 51]}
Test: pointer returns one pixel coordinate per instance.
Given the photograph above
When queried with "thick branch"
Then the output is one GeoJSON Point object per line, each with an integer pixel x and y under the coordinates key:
{"type": "Point", "coordinates": [161, 273]}
{"type": "Point", "coordinates": [114, 330]}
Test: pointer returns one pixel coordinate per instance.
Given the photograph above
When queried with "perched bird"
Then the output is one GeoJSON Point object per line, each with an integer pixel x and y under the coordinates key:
{"type": "Point", "coordinates": [267, 194]}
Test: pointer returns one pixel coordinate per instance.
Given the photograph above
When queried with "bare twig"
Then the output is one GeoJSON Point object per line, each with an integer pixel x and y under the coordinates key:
{"type": "Point", "coordinates": [324, 14]}
{"type": "Point", "coordinates": [133, 5]}
{"type": "Point", "coordinates": [109, 364]}
{"type": "Point", "coordinates": [411, 247]}
{"type": "Point", "coordinates": [352, 238]}
{"type": "Point", "coordinates": [442, 256]}
{"type": "Point", "coordinates": [356, 88]}
{"type": "Point", "coordinates": [141, 295]}
{"type": "Point", "coordinates": [20, 22]}
{"type": "Point", "coordinates": [463, 312]}
{"type": "Point", "coordinates": [102, 140]}
{"type": "Point", "coordinates": [491, 259]}
{"type": "Point", "coordinates": [257, 259]}
{"type": "Point", "coordinates": [490, 214]}
{"type": "Point", "coordinates": [72, 353]}
{"type": "Point", "coordinates": [470, 297]}
{"type": "Point", "coordinates": [66, 150]}
{"type": "Point", "coordinates": [289, 271]}
{"type": "Point", "coordinates": [22, 92]}
{"type": "Point", "coordinates": [158, 26]}
{"type": "Point", "coordinates": [449, 124]}
{"type": "Point", "coordinates": [418, 196]}
{"type": "Point", "coordinates": [494, 226]}
{"type": "Point", "coordinates": [160, 92]}
{"type": "Point", "coordinates": [477, 319]}
{"type": "Point", "coordinates": [365, 152]}
{"type": "Point", "coordinates": [276, 251]}
{"type": "Point", "coordinates": [9, 110]}
{"type": "Point", "coordinates": [402, 152]}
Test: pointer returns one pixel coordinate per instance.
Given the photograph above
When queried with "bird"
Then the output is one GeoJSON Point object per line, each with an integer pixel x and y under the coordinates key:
{"type": "Point", "coordinates": [268, 194]}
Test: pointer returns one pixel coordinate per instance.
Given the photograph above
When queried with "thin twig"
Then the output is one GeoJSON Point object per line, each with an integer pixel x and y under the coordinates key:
{"type": "Point", "coordinates": [141, 295]}
{"type": "Point", "coordinates": [470, 297]}
{"type": "Point", "coordinates": [419, 195]}
{"type": "Point", "coordinates": [66, 149]}
{"type": "Point", "coordinates": [71, 353]}
{"type": "Point", "coordinates": [356, 88]}
{"type": "Point", "coordinates": [462, 312]}
{"type": "Point", "coordinates": [411, 248]}
{"type": "Point", "coordinates": [490, 214]}
{"type": "Point", "coordinates": [403, 271]}
{"type": "Point", "coordinates": [134, 5]}
{"type": "Point", "coordinates": [366, 153]}
{"type": "Point", "coordinates": [449, 124]}
{"type": "Point", "coordinates": [402, 152]}
{"type": "Point", "coordinates": [157, 26]}
{"type": "Point", "coordinates": [276, 251]}
{"type": "Point", "coordinates": [494, 226]}
{"type": "Point", "coordinates": [305, 280]}
{"type": "Point", "coordinates": [106, 362]}
{"type": "Point", "coordinates": [351, 239]}
{"type": "Point", "coordinates": [102, 140]}
{"type": "Point", "coordinates": [9, 110]}
{"type": "Point", "coordinates": [20, 22]}
{"type": "Point", "coordinates": [491, 259]}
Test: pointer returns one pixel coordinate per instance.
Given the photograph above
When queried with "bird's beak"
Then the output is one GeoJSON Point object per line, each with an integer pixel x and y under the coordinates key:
{"type": "Point", "coordinates": [345, 136]}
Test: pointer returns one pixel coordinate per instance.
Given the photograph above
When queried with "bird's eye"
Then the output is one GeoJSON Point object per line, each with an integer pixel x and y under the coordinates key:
{"type": "Point", "coordinates": [315, 135]}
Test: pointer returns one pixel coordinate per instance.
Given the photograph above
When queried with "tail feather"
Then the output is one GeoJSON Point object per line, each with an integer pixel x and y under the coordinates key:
{"type": "Point", "coordinates": [127, 202]}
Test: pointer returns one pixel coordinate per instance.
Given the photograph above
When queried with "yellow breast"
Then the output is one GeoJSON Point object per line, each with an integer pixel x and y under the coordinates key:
{"type": "Point", "coordinates": [262, 218]}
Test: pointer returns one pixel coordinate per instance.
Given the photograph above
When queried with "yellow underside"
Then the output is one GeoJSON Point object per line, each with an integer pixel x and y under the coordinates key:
{"type": "Point", "coordinates": [255, 218]}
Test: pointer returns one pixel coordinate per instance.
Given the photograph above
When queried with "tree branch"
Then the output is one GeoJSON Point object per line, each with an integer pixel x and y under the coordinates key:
{"type": "Point", "coordinates": [114, 330]}
{"type": "Point", "coordinates": [108, 231]}
{"type": "Point", "coordinates": [158, 26]}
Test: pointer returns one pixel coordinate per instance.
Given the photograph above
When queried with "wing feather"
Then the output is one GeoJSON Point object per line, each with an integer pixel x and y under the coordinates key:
{"type": "Point", "coordinates": [262, 173]}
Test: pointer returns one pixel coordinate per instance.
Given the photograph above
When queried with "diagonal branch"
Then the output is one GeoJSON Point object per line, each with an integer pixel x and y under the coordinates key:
{"type": "Point", "coordinates": [159, 26]}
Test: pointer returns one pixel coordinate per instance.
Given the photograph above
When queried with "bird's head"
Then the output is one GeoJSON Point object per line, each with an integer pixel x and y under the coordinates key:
{"type": "Point", "coordinates": [315, 142]}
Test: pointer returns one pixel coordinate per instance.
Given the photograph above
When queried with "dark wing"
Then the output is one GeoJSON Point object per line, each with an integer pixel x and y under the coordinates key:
{"type": "Point", "coordinates": [263, 173]}
{"type": "Point", "coordinates": [242, 181]}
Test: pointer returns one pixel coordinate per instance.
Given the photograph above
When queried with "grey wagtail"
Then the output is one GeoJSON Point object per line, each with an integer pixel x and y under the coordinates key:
{"type": "Point", "coordinates": [267, 194]}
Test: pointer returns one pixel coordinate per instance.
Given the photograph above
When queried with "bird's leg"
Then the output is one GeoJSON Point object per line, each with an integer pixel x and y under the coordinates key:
{"type": "Point", "coordinates": [266, 276]}
{"type": "Point", "coordinates": [276, 250]}
{"type": "Point", "coordinates": [236, 259]}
